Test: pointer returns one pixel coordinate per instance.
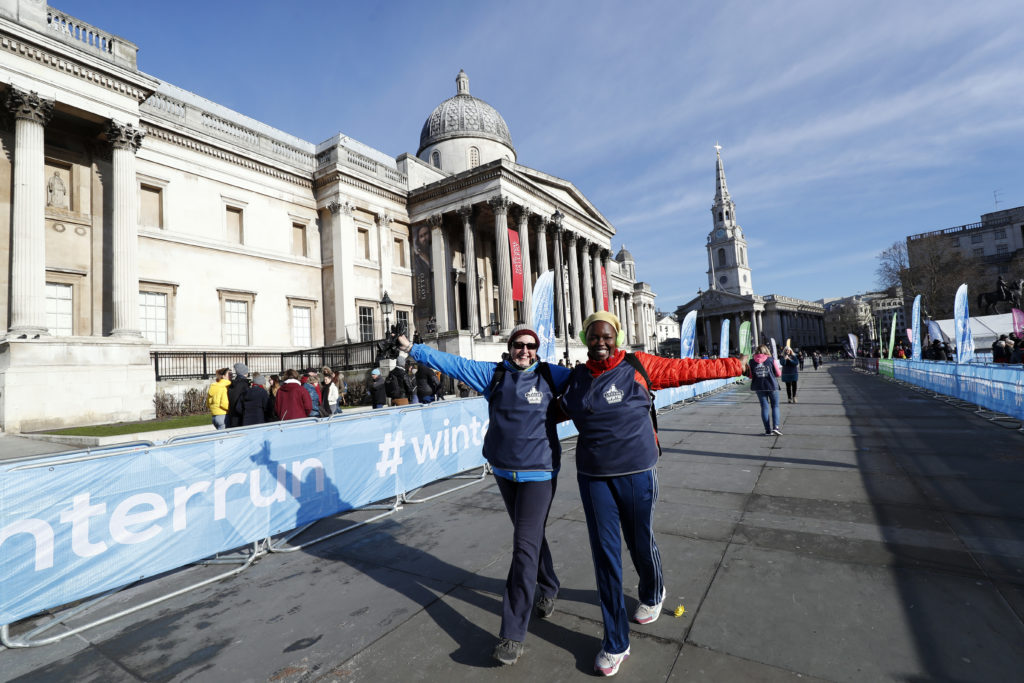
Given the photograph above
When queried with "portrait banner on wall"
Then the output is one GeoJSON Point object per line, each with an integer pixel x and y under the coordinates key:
{"type": "Point", "coordinates": [604, 288]}
{"type": "Point", "coordinates": [517, 264]}
{"type": "Point", "coordinates": [422, 277]}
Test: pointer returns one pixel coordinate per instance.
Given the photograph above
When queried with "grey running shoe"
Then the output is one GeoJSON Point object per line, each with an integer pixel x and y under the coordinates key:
{"type": "Point", "coordinates": [608, 665]}
{"type": "Point", "coordinates": [777, 432]}
{"type": "Point", "coordinates": [508, 651]}
{"type": "Point", "coordinates": [545, 607]}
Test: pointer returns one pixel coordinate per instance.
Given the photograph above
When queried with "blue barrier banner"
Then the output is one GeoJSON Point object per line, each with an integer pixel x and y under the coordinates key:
{"type": "Point", "coordinates": [996, 387]}
{"type": "Point", "coordinates": [73, 527]}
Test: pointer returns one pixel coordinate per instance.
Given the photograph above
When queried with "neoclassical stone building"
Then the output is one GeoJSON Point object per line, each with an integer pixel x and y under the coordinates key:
{"type": "Point", "coordinates": [730, 294]}
{"type": "Point", "coordinates": [140, 216]}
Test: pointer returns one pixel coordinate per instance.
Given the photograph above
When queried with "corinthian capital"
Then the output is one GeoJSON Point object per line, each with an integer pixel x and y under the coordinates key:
{"type": "Point", "coordinates": [336, 207]}
{"type": "Point", "coordinates": [500, 204]}
{"type": "Point", "coordinates": [384, 218]}
{"type": "Point", "coordinates": [29, 106]}
{"type": "Point", "coordinates": [124, 136]}
{"type": "Point", "coordinates": [435, 221]}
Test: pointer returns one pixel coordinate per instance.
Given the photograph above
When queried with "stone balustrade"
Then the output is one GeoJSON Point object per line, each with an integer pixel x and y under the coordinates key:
{"type": "Point", "coordinates": [78, 33]}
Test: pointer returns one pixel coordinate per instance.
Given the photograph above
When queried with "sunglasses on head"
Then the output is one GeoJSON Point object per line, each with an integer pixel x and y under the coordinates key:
{"type": "Point", "coordinates": [524, 345]}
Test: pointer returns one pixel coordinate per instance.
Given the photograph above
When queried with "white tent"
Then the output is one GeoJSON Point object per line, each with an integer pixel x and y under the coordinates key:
{"type": "Point", "coordinates": [985, 328]}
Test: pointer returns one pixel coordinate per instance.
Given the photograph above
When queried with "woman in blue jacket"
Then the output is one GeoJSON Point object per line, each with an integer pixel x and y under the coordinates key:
{"type": "Point", "coordinates": [521, 444]}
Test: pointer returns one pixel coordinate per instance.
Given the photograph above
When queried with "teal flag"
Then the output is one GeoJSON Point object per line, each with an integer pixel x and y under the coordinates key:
{"type": "Point", "coordinates": [745, 338]}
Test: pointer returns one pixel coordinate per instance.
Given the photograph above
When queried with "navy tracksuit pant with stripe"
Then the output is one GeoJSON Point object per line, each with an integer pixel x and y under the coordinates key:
{"type": "Point", "coordinates": [623, 502]}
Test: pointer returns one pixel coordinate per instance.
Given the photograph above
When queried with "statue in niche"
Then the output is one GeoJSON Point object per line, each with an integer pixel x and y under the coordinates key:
{"type": "Point", "coordinates": [56, 192]}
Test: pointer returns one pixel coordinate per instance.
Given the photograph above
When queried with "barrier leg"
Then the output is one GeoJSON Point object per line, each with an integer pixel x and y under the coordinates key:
{"type": "Point", "coordinates": [474, 479]}
{"type": "Point", "coordinates": [29, 639]}
{"type": "Point", "coordinates": [280, 546]}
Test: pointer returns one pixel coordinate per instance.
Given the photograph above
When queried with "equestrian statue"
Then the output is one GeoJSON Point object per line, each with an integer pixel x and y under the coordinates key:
{"type": "Point", "coordinates": [1011, 294]}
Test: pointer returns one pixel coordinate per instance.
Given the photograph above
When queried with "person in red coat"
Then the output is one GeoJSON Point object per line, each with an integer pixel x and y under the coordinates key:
{"type": "Point", "coordinates": [292, 401]}
{"type": "Point", "coordinates": [609, 400]}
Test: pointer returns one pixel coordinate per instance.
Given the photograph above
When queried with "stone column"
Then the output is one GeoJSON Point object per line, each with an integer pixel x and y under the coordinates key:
{"type": "Point", "coordinates": [556, 231]}
{"type": "Point", "coordinates": [574, 283]}
{"type": "Point", "coordinates": [506, 319]}
{"type": "Point", "coordinates": [595, 257]}
{"type": "Point", "coordinates": [542, 248]}
{"type": "Point", "coordinates": [342, 257]}
{"type": "Point", "coordinates": [472, 291]}
{"type": "Point", "coordinates": [28, 225]}
{"type": "Point", "coordinates": [630, 332]}
{"type": "Point", "coordinates": [606, 261]}
{"type": "Point", "coordinates": [440, 265]}
{"type": "Point", "coordinates": [384, 248]}
{"type": "Point", "coordinates": [708, 343]}
{"type": "Point", "coordinates": [588, 284]}
{"type": "Point", "coordinates": [125, 141]}
{"type": "Point", "coordinates": [524, 247]}
{"type": "Point", "coordinates": [735, 331]}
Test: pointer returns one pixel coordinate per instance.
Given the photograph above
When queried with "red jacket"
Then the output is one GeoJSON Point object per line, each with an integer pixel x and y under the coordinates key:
{"type": "Point", "coordinates": [672, 372]}
{"type": "Point", "coordinates": [292, 401]}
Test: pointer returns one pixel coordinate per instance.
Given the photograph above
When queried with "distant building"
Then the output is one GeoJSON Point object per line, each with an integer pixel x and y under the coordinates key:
{"type": "Point", "coordinates": [992, 243]}
{"type": "Point", "coordinates": [863, 315]}
{"type": "Point", "coordinates": [731, 296]}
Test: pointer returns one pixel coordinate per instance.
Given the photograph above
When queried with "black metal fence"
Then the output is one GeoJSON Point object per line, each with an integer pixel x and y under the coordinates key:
{"type": "Point", "coordinates": [204, 364]}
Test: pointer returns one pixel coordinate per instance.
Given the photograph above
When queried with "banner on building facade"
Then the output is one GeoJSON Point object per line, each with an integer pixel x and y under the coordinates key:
{"type": "Point", "coordinates": [915, 329]}
{"type": "Point", "coordinates": [745, 338]}
{"type": "Point", "coordinates": [517, 264]}
{"type": "Point", "coordinates": [688, 335]}
{"type": "Point", "coordinates": [422, 278]}
{"type": "Point", "coordinates": [543, 316]}
{"type": "Point", "coordinates": [962, 322]}
{"type": "Point", "coordinates": [723, 340]}
{"type": "Point", "coordinates": [604, 289]}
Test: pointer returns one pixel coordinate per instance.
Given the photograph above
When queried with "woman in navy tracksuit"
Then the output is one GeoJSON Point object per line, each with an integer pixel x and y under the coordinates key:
{"type": "Point", "coordinates": [616, 453]}
{"type": "Point", "coordinates": [521, 444]}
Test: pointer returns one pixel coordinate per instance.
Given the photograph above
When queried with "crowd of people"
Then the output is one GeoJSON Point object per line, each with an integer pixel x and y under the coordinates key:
{"type": "Point", "coordinates": [236, 399]}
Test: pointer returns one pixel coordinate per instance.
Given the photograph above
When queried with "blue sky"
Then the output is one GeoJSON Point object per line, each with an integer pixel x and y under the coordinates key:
{"type": "Point", "coordinates": [844, 126]}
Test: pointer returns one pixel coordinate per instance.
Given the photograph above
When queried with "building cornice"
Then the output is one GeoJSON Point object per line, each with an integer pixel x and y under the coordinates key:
{"type": "Point", "coordinates": [342, 178]}
{"type": "Point", "coordinates": [133, 85]}
{"type": "Point", "coordinates": [190, 143]}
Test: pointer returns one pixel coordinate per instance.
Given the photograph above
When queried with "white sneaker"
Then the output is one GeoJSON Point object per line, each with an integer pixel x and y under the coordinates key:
{"type": "Point", "coordinates": [608, 665]}
{"type": "Point", "coordinates": [645, 614]}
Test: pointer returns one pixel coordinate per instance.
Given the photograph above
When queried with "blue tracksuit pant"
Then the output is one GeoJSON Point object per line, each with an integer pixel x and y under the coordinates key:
{"type": "Point", "coordinates": [623, 502]}
{"type": "Point", "coordinates": [532, 569]}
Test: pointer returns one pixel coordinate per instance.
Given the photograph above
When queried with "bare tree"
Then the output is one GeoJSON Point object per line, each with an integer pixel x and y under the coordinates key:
{"type": "Point", "coordinates": [892, 265]}
{"type": "Point", "coordinates": [934, 270]}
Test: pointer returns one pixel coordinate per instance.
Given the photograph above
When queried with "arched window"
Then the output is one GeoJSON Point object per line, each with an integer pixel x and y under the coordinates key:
{"type": "Point", "coordinates": [743, 256]}
{"type": "Point", "coordinates": [721, 257]}
{"type": "Point", "coordinates": [719, 215]}
{"type": "Point", "coordinates": [726, 215]}
{"type": "Point", "coordinates": [474, 157]}
{"type": "Point", "coordinates": [435, 159]}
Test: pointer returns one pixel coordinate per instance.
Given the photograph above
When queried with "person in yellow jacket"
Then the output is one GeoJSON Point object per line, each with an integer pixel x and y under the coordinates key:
{"type": "Point", "coordinates": [217, 399]}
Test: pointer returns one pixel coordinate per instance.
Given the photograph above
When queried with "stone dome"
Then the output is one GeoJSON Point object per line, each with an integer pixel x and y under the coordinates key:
{"type": "Point", "coordinates": [624, 255]}
{"type": "Point", "coordinates": [464, 116]}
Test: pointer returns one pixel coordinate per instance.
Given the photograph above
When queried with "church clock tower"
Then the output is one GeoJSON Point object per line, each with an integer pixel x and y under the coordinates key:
{"type": "Point", "coordinates": [728, 270]}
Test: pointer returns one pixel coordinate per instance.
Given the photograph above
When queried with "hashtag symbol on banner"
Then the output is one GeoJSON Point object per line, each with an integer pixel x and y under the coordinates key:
{"type": "Point", "coordinates": [390, 454]}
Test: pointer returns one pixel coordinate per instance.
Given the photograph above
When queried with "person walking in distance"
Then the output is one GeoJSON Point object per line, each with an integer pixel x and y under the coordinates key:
{"type": "Point", "coordinates": [523, 450]}
{"type": "Point", "coordinates": [790, 373]}
{"type": "Point", "coordinates": [217, 399]}
{"type": "Point", "coordinates": [378, 393]}
{"type": "Point", "coordinates": [611, 402]}
{"type": "Point", "coordinates": [764, 370]}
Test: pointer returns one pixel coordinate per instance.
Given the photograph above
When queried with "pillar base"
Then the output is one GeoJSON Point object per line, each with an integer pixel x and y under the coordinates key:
{"type": "Point", "coordinates": [133, 334]}
{"type": "Point", "coordinates": [27, 333]}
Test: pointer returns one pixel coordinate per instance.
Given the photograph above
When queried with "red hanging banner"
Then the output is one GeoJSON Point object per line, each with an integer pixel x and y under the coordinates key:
{"type": "Point", "coordinates": [604, 288]}
{"type": "Point", "coordinates": [517, 265]}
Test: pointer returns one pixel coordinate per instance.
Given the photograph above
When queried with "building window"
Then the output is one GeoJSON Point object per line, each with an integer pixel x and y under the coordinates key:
{"type": "Point", "coordinates": [956, 241]}
{"type": "Point", "coordinates": [435, 159]}
{"type": "Point", "coordinates": [977, 238]}
{"type": "Point", "coordinates": [151, 206]}
{"type": "Point", "coordinates": [399, 252]}
{"type": "Point", "coordinates": [1002, 249]}
{"type": "Point", "coordinates": [474, 157]}
{"type": "Point", "coordinates": [721, 257]}
{"type": "Point", "coordinates": [363, 244]}
{"type": "Point", "coordinates": [298, 239]}
{"type": "Point", "coordinates": [1001, 234]}
{"type": "Point", "coordinates": [365, 323]}
{"type": "Point", "coordinates": [233, 224]}
{"type": "Point", "coordinates": [153, 316]}
{"type": "Point", "coordinates": [60, 309]}
{"type": "Point", "coordinates": [302, 326]}
{"type": "Point", "coordinates": [977, 252]}
{"type": "Point", "coordinates": [236, 316]}
{"type": "Point", "coordinates": [402, 318]}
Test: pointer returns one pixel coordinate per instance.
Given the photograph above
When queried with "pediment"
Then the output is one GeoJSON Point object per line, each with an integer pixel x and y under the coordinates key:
{"type": "Point", "coordinates": [564, 194]}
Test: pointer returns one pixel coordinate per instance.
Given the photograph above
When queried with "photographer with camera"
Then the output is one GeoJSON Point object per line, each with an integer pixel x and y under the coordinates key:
{"type": "Point", "coordinates": [522, 448]}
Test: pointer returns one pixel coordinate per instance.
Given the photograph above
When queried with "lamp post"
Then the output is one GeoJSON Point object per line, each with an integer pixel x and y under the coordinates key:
{"type": "Point", "coordinates": [387, 307]}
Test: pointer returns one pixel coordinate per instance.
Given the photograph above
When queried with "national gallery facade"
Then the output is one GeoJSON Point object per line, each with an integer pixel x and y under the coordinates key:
{"type": "Point", "coordinates": [141, 217]}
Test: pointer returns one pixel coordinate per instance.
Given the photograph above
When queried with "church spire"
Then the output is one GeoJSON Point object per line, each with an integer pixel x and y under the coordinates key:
{"type": "Point", "coordinates": [723, 210]}
{"type": "Point", "coordinates": [721, 189]}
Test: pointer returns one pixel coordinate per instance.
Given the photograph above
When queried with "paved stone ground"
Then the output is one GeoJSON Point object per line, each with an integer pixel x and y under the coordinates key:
{"type": "Point", "coordinates": [881, 538]}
